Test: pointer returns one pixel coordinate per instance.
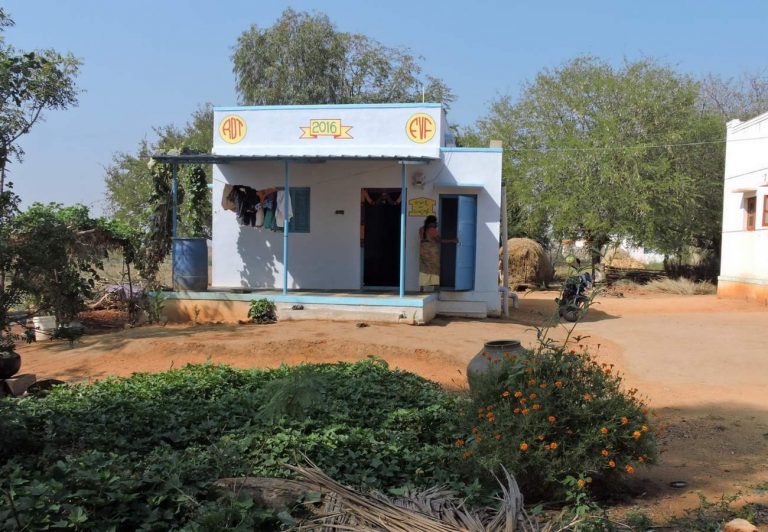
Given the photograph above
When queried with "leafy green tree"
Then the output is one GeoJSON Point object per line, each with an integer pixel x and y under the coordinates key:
{"type": "Point", "coordinates": [131, 183]}
{"type": "Point", "coordinates": [304, 59]}
{"type": "Point", "coordinates": [30, 83]}
{"type": "Point", "coordinates": [591, 154]}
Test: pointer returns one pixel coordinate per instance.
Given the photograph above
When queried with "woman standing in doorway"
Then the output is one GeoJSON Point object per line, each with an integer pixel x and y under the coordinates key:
{"type": "Point", "coordinates": [429, 255]}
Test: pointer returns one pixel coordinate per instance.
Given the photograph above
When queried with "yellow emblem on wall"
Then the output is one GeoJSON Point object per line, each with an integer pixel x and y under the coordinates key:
{"type": "Point", "coordinates": [420, 128]}
{"type": "Point", "coordinates": [232, 129]}
{"type": "Point", "coordinates": [325, 127]}
{"type": "Point", "coordinates": [421, 206]}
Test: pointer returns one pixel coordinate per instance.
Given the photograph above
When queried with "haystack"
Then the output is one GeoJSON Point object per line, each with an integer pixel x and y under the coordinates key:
{"type": "Point", "coordinates": [528, 264]}
{"type": "Point", "coordinates": [619, 258]}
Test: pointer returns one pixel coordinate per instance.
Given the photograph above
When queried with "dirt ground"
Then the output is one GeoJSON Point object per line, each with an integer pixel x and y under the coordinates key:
{"type": "Point", "coordinates": [702, 364]}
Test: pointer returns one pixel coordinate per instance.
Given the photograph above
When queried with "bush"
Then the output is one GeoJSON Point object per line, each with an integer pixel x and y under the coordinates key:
{"type": "Point", "coordinates": [681, 286]}
{"type": "Point", "coordinates": [555, 415]}
{"type": "Point", "coordinates": [143, 451]}
{"type": "Point", "coordinates": [262, 311]}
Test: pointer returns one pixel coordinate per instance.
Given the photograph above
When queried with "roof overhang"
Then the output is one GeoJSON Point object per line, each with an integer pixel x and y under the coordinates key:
{"type": "Point", "coordinates": [206, 158]}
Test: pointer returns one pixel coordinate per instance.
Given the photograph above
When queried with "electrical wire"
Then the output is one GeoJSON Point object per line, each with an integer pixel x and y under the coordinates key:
{"type": "Point", "coordinates": [639, 146]}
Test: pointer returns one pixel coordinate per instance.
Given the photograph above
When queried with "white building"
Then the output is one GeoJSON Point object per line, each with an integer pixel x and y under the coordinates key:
{"type": "Point", "coordinates": [744, 261]}
{"type": "Point", "coordinates": [361, 180]}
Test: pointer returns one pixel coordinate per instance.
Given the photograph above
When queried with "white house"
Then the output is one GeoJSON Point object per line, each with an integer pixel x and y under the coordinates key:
{"type": "Point", "coordinates": [360, 180]}
{"type": "Point", "coordinates": [744, 262]}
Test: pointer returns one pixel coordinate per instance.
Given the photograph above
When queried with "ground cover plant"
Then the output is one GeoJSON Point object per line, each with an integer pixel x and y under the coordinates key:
{"type": "Point", "coordinates": [142, 452]}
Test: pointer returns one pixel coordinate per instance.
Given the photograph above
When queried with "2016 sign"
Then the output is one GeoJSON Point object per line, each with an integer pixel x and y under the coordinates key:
{"type": "Point", "coordinates": [325, 127]}
{"type": "Point", "coordinates": [232, 129]}
{"type": "Point", "coordinates": [420, 128]}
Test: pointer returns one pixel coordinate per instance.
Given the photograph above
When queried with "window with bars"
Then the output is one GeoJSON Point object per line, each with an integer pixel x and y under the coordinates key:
{"type": "Point", "coordinates": [751, 211]}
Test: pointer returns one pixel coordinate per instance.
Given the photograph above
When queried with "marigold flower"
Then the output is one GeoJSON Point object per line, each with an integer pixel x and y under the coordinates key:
{"type": "Point", "coordinates": [581, 483]}
{"type": "Point", "coordinates": [533, 395]}
{"type": "Point", "coordinates": [505, 393]}
{"type": "Point", "coordinates": [523, 401]}
{"type": "Point", "coordinates": [636, 435]}
{"type": "Point", "coordinates": [624, 420]}
{"type": "Point", "coordinates": [523, 446]}
{"type": "Point", "coordinates": [553, 446]}
{"type": "Point", "coordinates": [552, 419]}
{"type": "Point", "coordinates": [644, 428]}
{"type": "Point", "coordinates": [536, 406]}
{"type": "Point", "coordinates": [518, 393]}
{"type": "Point", "coordinates": [641, 459]}
{"type": "Point", "coordinates": [587, 397]}
{"type": "Point", "coordinates": [491, 417]}
{"type": "Point", "coordinates": [604, 430]}
{"type": "Point", "coordinates": [543, 385]}
{"type": "Point", "coordinates": [459, 443]}
{"type": "Point", "coordinates": [605, 452]}
{"type": "Point", "coordinates": [611, 463]}
{"type": "Point", "coordinates": [532, 382]}
{"type": "Point", "coordinates": [467, 454]}
{"type": "Point", "coordinates": [525, 411]}
{"type": "Point", "coordinates": [558, 384]}
{"type": "Point", "coordinates": [516, 410]}
{"type": "Point", "coordinates": [630, 469]}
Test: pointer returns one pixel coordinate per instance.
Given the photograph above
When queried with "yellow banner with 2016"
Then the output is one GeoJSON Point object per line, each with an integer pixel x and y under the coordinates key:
{"type": "Point", "coordinates": [325, 127]}
{"type": "Point", "coordinates": [421, 206]}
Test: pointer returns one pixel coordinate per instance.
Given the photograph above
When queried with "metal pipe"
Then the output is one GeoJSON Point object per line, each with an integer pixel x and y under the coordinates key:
{"type": "Point", "coordinates": [505, 248]}
{"type": "Point", "coordinates": [403, 206]}
{"type": "Point", "coordinates": [286, 199]}
{"type": "Point", "coordinates": [175, 197]}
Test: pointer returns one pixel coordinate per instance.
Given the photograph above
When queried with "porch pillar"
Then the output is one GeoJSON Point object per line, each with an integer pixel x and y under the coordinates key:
{"type": "Point", "coordinates": [402, 228]}
{"type": "Point", "coordinates": [174, 196]}
{"type": "Point", "coordinates": [286, 199]}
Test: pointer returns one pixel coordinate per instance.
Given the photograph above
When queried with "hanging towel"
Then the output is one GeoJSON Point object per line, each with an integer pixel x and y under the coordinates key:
{"type": "Point", "coordinates": [280, 216]}
{"type": "Point", "coordinates": [227, 202]}
{"type": "Point", "coordinates": [259, 216]}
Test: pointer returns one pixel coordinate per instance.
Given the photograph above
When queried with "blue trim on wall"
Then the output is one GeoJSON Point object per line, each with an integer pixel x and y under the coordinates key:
{"type": "Point", "coordinates": [485, 150]}
{"type": "Point", "coordinates": [325, 106]}
{"type": "Point", "coordinates": [394, 301]}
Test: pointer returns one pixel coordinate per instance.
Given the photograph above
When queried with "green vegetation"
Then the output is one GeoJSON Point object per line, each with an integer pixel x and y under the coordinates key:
{"type": "Point", "coordinates": [262, 311]}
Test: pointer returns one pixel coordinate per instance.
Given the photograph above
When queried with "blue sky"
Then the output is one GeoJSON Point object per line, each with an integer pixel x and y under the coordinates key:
{"type": "Point", "coordinates": [151, 63]}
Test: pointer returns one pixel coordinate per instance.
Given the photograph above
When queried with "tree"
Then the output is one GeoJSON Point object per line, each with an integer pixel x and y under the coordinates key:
{"type": "Point", "coordinates": [304, 59]}
{"type": "Point", "coordinates": [592, 153]}
{"type": "Point", "coordinates": [131, 183]}
{"type": "Point", "coordinates": [30, 83]}
{"type": "Point", "coordinates": [743, 97]}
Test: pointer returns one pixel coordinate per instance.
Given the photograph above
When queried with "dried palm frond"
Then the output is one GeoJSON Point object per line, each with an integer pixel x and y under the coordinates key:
{"type": "Point", "coordinates": [432, 510]}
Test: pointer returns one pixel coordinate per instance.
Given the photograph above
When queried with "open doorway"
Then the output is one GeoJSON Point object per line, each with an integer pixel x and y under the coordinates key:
{"type": "Point", "coordinates": [458, 231]}
{"type": "Point", "coordinates": [380, 237]}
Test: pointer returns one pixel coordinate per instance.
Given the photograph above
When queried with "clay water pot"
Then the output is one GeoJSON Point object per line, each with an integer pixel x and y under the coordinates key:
{"type": "Point", "coordinates": [484, 368]}
{"type": "Point", "coordinates": [10, 364]}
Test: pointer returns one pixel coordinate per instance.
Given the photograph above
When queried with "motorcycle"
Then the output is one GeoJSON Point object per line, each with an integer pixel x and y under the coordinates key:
{"type": "Point", "coordinates": [573, 301]}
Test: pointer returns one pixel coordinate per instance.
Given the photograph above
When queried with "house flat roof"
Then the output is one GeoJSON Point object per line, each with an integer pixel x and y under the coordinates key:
{"type": "Point", "coordinates": [207, 158]}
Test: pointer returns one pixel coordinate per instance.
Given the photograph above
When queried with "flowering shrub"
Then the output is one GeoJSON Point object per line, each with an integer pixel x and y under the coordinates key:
{"type": "Point", "coordinates": [554, 415]}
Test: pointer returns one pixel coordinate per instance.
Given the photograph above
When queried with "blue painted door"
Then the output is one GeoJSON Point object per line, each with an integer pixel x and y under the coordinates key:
{"type": "Point", "coordinates": [466, 234]}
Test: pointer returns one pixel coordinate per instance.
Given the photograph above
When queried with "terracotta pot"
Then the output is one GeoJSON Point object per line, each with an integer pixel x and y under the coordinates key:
{"type": "Point", "coordinates": [483, 369]}
{"type": "Point", "coordinates": [10, 363]}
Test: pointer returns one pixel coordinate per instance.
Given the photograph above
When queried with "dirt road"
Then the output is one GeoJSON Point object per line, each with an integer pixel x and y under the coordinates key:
{"type": "Point", "coordinates": [701, 362]}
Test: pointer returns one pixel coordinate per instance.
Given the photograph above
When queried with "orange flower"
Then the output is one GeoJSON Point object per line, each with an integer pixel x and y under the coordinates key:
{"type": "Point", "coordinates": [604, 452]}
{"type": "Point", "coordinates": [467, 454]}
{"type": "Point", "coordinates": [553, 446]}
{"type": "Point", "coordinates": [529, 370]}
{"type": "Point", "coordinates": [505, 393]}
{"type": "Point", "coordinates": [558, 384]}
{"type": "Point", "coordinates": [644, 428]}
{"type": "Point", "coordinates": [611, 463]}
{"type": "Point", "coordinates": [523, 401]}
{"type": "Point", "coordinates": [587, 397]}
{"type": "Point", "coordinates": [491, 417]}
{"type": "Point", "coordinates": [459, 443]}
{"type": "Point", "coordinates": [532, 382]}
{"type": "Point", "coordinates": [630, 469]}
{"type": "Point", "coordinates": [624, 421]}
{"type": "Point", "coordinates": [498, 436]}
{"type": "Point", "coordinates": [525, 411]}
{"type": "Point", "coordinates": [543, 385]}
{"type": "Point", "coordinates": [636, 435]}
{"type": "Point", "coordinates": [518, 393]}
{"type": "Point", "coordinates": [641, 459]}
{"type": "Point", "coordinates": [604, 430]}
{"type": "Point", "coordinates": [552, 419]}
{"type": "Point", "coordinates": [523, 446]}
{"type": "Point", "coordinates": [581, 483]}
{"type": "Point", "coordinates": [533, 395]}
{"type": "Point", "coordinates": [540, 437]}
{"type": "Point", "coordinates": [536, 406]}
{"type": "Point", "coordinates": [516, 410]}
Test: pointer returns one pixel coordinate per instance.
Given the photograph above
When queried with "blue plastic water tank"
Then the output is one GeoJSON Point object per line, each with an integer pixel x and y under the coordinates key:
{"type": "Point", "coordinates": [190, 264]}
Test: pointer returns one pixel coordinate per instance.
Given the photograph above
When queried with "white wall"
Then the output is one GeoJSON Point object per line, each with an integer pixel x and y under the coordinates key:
{"type": "Point", "coordinates": [329, 256]}
{"type": "Point", "coordinates": [745, 253]}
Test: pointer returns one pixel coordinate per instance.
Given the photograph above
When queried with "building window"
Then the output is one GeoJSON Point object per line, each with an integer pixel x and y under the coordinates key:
{"type": "Point", "coordinates": [300, 206]}
{"type": "Point", "coordinates": [765, 210]}
{"type": "Point", "coordinates": [751, 211]}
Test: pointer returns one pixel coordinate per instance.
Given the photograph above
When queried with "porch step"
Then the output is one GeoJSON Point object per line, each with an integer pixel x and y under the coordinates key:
{"type": "Point", "coordinates": [466, 309]}
{"type": "Point", "coordinates": [349, 313]}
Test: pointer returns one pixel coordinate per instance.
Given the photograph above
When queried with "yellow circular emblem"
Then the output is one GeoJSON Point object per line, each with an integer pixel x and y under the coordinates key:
{"type": "Point", "coordinates": [420, 128]}
{"type": "Point", "coordinates": [232, 129]}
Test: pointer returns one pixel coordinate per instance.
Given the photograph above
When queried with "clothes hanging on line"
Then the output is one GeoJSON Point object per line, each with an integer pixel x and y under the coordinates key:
{"type": "Point", "coordinates": [257, 208]}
